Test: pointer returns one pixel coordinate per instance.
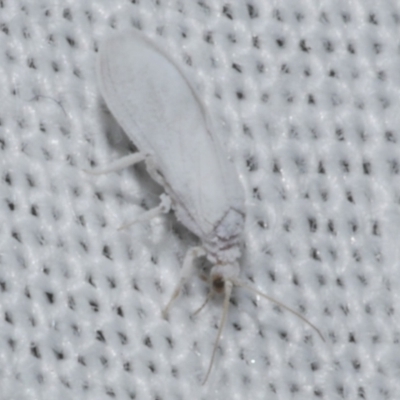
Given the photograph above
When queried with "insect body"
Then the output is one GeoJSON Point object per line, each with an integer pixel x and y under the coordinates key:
{"type": "Point", "coordinates": [161, 113]}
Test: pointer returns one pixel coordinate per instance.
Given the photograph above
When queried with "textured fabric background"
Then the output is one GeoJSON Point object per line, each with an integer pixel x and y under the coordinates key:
{"type": "Point", "coordinates": [306, 95]}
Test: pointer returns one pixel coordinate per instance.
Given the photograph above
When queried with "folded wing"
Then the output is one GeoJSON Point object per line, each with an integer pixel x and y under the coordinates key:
{"type": "Point", "coordinates": [161, 113]}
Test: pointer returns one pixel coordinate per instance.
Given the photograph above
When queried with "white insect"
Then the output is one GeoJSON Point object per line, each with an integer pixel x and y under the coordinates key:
{"type": "Point", "coordinates": [159, 110]}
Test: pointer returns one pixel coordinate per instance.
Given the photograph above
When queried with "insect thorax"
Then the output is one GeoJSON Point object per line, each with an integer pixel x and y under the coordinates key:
{"type": "Point", "coordinates": [224, 242]}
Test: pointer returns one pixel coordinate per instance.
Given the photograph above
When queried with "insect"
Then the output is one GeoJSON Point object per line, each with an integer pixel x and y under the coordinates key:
{"type": "Point", "coordinates": [157, 106]}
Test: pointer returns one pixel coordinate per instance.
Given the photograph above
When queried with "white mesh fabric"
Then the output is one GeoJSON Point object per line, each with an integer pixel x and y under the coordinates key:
{"type": "Point", "coordinates": [306, 94]}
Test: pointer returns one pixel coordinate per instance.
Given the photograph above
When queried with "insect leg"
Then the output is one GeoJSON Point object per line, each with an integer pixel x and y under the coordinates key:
{"type": "Point", "coordinates": [162, 208]}
{"type": "Point", "coordinates": [116, 165]}
{"type": "Point", "coordinates": [186, 271]}
{"type": "Point", "coordinates": [208, 298]}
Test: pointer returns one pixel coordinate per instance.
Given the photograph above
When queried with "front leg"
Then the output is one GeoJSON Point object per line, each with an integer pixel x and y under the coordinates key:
{"type": "Point", "coordinates": [186, 271]}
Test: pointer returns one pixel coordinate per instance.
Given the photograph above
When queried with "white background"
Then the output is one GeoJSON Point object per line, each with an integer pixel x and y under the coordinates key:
{"type": "Point", "coordinates": [306, 95]}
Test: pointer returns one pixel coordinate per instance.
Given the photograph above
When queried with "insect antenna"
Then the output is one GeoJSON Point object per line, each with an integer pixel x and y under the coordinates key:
{"type": "Point", "coordinates": [278, 303]}
{"type": "Point", "coordinates": [228, 292]}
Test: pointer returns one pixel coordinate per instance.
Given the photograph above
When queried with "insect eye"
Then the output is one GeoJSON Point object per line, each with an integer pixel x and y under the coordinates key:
{"type": "Point", "coordinates": [218, 284]}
